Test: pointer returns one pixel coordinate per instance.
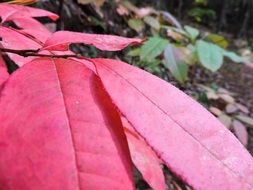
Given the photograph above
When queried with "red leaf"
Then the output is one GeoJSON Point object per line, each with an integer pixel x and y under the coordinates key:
{"type": "Point", "coordinates": [60, 131]}
{"type": "Point", "coordinates": [10, 12]}
{"type": "Point", "coordinates": [192, 142]}
{"type": "Point", "coordinates": [19, 42]}
{"type": "Point", "coordinates": [60, 41]}
{"type": "Point", "coordinates": [4, 75]}
{"type": "Point", "coordinates": [144, 158]}
{"type": "Point", "coordinates": [33, 28]}
{"type": "Point", "coordinates": [11, 39]}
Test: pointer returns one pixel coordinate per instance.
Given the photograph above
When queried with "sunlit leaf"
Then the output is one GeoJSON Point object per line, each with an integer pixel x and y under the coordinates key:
{"type": "Point", "coordinates": [210, 55]}
{"type": "Point", "coordinates": [217, 39]}
{"type": "Point", "coordinates": [234, 57]}
{"type": "Point", "coordinates": [153, 22]}
{"type": "Point", "coordinates": [175, 64]}
{"type": "Point", "coordinates": [152, 48]}
{"type": "Point", "coordinates": [193, 33]}
{"type": "Point", "coordinates": [134, 52]}
{"type": "Point", "coordinates": [136, 24]}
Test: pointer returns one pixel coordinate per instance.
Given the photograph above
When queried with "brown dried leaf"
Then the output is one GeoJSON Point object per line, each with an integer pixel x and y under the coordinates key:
{"type": "Point", "coordinates": [227, 98]}
{"type": "Point", "coordinates": [212, 95]}
{"type": "Point", "coordinates": [153, 22]}
{"type": "Point", "coordinates": [22, 2]}
{"type": "Point", "coordinates": [245, 119]}
{"type": "Point", "coordinates": [215, 111]}
{"type": "Point", "coordinates": [224, 91]}
{"type": "Point", "coordinates": [231, 108]}
{"type": "Point", "coordinates": [226, 120]}
{"type": "Point", "coordinates": [96, 2]}
{"type": "Point", "coordinates": [121, 10]}
{"type": "Point", "coordinates": [242, 108]}
{"type": "Point", "coordinates": [241, 132]}
{"type": "Point", "coordinates": [174, 35]}
{"type": "Point", "coordinates": [142, 12]}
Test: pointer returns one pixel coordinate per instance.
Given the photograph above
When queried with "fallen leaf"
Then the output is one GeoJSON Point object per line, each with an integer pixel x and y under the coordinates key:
{"type": "Point", "coordinates": [206, 88]}
{"type": "Point", "coordinates": [246, 119]}
{"type": "Point", "coordinates": [243, 108]}
{"type": "Point", "coordinates": [139, 12]}
{"type": "Point", "coordinates": [174, 35]}
{"type": "Point", "coordinates": [215, 111]}
{"type": "Point", "coordinates": [226, 120]}
{"type": "Point", "coordinates": [136, 24]}
{"type": "Point", "coordinates": [231, 108]}
{"type": "Point", "coordinates": [152, 22]}
{"type": "Point", "coordinates": [96, 2]}
{"type": "Point", "coordinates": [211, 95]}
{"type": "Point", "coordinates": [241, 132]}
{"type": "Point", "coordinates": [121, 10]}
{"type": "Point", "coordinates": [223, 91]}
{"type": "Point", "coordinates": [143, 12]}
{"type": "Point", "coordinates": [227, 98]}
{"type": "Point", "coordinates": [22, 2]}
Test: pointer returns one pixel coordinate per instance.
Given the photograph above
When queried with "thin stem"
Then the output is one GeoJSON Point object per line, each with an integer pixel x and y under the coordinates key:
{"type": "Point", "coordinates": [27, 53]}
{"type": "Point", "coordinates": [19, 51]}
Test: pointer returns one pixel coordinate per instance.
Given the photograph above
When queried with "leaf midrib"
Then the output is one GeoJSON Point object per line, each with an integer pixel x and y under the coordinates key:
{"type": "Point", "coordinates": [163, 111]}
{"type": "Point", "coordinates": [68, 121]}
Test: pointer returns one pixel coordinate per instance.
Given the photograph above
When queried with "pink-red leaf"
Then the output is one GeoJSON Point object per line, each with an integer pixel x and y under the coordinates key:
{"type": "Point", "coordinates": [192, 142]}
{"type": "Point", "coordinates": [10, 12]}
{"type": "Point", "coordinates": [144, 158]}
{"type": "Point", "coordinates": [33, 28]}
{"type": "Point", "coordinates": [59, 131]}
{"type": "Point", "coordinates": [4, 75]}
{"type": "Point", "coordinates": [60, 41]}
{"type": "Point", "coordinates": [12, 39]}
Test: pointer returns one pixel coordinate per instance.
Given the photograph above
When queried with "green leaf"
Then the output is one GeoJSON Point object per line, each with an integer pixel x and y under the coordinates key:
{"type": "Point", "coordinates": [134, 52]}
{"type": "Point", "coordinates": [193, 33]}
{"type": "Point", "coordinates": [151, 66]}
{"type": "Point", "coordinates": [153, 22]}
{"type": "Point", "coordinates": [152, 48]}
{"type": "Point", "coordinates": [175, 64]}
{"type": "Point", "coordinates": [136, 24]}
{"type": "Point", "coordinates": [217, 39]}
{"type": "Point", "coordinates": [234, 57]}
{"type": "Point", "coordinates": [210, 55]}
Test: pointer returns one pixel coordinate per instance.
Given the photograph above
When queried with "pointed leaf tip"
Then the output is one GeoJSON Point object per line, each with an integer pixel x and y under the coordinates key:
{"type": "Point", "coordinates": [60, 41]}
{"type": "Point", "coordinates": [189, 139]}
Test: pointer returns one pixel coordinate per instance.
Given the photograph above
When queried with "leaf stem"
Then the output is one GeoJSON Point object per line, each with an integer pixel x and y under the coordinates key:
{"type": "Point", "coordinates": [27, 53]}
